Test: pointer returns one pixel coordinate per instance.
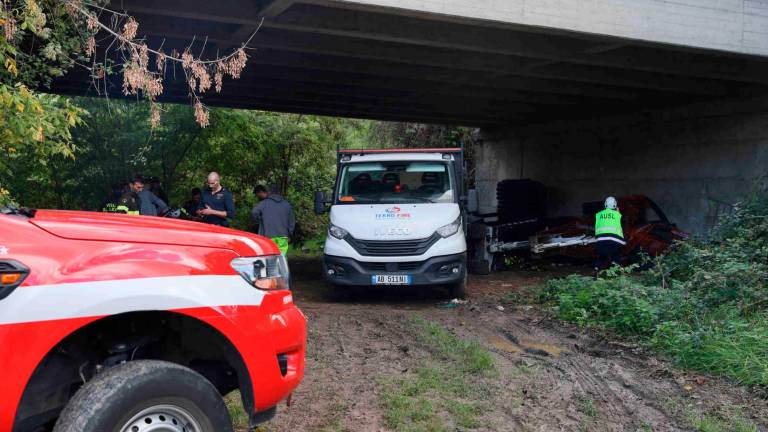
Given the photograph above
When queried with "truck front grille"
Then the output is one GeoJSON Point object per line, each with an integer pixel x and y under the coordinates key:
{"type": "Point", "coordinates": [392, 247]}
{"type": "Point", "coordinates": [392, 267]}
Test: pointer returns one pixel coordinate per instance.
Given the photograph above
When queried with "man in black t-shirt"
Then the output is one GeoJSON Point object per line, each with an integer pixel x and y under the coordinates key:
{"type": "Point", "coordinates": [218, 205]}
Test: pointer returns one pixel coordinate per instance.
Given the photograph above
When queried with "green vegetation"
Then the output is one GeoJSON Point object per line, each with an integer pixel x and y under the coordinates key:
{"type": "Point", "coordinates": [294, 153]}
{"type": "Point", "coordinates": [586, 407]}
{"type": "Point", "coordinates": [236, 411]}
{"type": "Point", "coordinates": [707, 423]}
{"type": "Point", "coordinates": [39, 40]}
{"type": "Point", "coordinates": [723, 419]}
{"type": "Point", "coordinates": [705, 304]}
{"type": "Point", "coordinates": [448, 386]}
{"type": "Point", "coordinates": [333, 420]}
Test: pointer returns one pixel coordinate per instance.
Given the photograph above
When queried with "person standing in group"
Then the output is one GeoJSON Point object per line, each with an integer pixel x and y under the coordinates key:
{"type": "Point", "coordinates": [217, 203]}
{"type": "Point", "coordinates": [129, 202]}
{"type": "Point", "coordinates": [150, 204]}
{"type": "Point", "coordinates": [275, 218]}
{"type": "Point", "coordinates": [610, 235]}
{"type": "Point", "coordinates": [156, 188]}
{"type": "Point", "coordinates": [193, 205]}
{"type": "Point", "coordinates": [112, 203]}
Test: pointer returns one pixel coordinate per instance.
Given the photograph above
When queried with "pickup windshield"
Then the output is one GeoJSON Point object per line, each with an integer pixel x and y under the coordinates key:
{"type": "Point", "coordinates": [395, 182]}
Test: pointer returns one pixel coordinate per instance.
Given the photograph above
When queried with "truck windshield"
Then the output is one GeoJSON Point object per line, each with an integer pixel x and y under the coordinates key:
{"type": "Point", "coordinates": [395, 182]}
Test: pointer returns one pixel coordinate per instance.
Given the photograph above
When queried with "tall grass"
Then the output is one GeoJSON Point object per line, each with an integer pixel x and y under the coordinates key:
{"type": "Point", "coordinates": [446, 391]}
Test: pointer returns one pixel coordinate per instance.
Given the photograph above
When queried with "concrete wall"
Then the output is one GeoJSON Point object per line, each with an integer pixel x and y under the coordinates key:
{"type": "Point", "coordinates": [730, 25]}
{"type": "Point", "coordinates": [695, 161]}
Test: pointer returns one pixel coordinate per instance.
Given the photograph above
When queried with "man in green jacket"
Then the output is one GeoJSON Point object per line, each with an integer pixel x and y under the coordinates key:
{"type": "Point", "coordinates": [610, 236]}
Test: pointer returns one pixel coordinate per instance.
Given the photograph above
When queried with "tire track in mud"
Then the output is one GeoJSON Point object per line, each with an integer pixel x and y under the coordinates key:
{"type": "Point", "coordinates": [349, 350]}
{"type": "Point", "coordinates": [567, 377]}
{"type": "Point", "coordinates": [624, 387]}
{"type": "Point", "coordinates": [551, 377]}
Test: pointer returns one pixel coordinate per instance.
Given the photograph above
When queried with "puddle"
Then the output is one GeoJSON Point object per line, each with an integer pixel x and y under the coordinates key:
{"type": "Point", "coordinates": [550, 349]}
{"type": "Point", "coordinates": [509, 343]}
{"type": "Point", "coordinates": [504, 345]}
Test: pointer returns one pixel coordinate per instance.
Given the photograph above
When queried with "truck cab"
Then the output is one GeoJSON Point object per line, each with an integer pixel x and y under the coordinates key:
{"type": "Point", "coordinates": [397, 218]}
{"type": "Point", "coordinates": [112, 322]}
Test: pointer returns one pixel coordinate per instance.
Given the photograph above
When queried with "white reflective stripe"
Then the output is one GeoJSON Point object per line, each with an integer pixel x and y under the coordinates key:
{"type": "Point", "coordinates": [86, 299]}
{"type": "Point", "coordinates": [622, 242]}
{"type": "Point", "coordinates": [609, 230]}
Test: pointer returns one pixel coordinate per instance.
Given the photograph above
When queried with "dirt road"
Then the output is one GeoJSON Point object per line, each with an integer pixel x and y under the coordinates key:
{"type": "Point", "coordinates": [547, 376]}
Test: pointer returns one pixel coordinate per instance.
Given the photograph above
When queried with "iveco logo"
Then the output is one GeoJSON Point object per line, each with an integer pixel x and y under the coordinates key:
{"type": "Point", "coordinates": [392, 231]}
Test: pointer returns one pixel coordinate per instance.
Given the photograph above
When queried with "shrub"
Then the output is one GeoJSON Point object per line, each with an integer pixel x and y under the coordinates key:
{"type": "Point", "coordinates": [705, 303]}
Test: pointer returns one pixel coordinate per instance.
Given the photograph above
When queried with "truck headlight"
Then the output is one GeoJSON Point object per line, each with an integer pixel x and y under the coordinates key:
{"type": "Point", "coordinates": [450, 229]}
{"type": "Point", "coordinates": [337, 232]}
{"type": "Point", "coordinates": [268, 272]}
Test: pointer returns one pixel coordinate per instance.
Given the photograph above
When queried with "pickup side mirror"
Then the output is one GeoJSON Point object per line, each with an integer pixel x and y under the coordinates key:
{"type": "Point", "coordinates": [473, 204]}
{"type": "Point", "coordinates": [320, 201]}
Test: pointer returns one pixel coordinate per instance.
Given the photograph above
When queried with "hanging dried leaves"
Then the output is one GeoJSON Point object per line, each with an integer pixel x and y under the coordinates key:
{"type": "Point", "coordinates": [154, 117]}
{"type": "Point", "coordinates": [140, 77]}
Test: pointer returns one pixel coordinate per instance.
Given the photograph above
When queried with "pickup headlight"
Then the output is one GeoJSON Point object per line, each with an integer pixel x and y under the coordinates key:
{"type": "Point", "coordinates": [268, 272]}
{"type": "Point", "coordinates": [450, 229]}
{"type": "Point", "coordinates": [337, 232]}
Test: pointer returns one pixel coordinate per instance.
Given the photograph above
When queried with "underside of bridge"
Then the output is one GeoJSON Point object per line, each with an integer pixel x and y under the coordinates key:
{"type": "Point", "coordinates": [346, 59]}
{"type": "Point", "coordinates": [588, 115]}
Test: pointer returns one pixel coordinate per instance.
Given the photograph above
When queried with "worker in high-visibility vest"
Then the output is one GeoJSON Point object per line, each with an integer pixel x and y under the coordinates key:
{"type": "Point", "coordinates": [610, 236]}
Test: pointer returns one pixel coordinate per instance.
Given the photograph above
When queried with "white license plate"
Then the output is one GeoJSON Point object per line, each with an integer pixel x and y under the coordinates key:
{"type": "Point", "coordinates": [391, 279]}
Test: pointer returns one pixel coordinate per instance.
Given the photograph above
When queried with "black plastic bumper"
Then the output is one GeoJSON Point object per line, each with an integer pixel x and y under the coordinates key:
{"type": "Point", "coordinates": [436, 270]}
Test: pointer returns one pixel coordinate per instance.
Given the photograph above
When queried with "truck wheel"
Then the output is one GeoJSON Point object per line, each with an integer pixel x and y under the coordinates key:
{"type": "Point", "coordinates": [146, 395]}
{"type": "Point", "coordinates": [459, 289]}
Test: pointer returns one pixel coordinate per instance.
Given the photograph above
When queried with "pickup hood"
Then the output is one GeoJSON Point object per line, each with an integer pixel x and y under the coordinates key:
{"type": "Point", "coordinates": [393, 221]}
{"type": "Point", "coordinates": [111, 227]}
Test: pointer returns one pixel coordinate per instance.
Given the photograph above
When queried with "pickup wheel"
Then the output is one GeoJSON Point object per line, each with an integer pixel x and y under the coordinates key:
{"type": "Point", "coordinates": [458, 289]}
{"type": "Point", "coordinates": [146, 395]}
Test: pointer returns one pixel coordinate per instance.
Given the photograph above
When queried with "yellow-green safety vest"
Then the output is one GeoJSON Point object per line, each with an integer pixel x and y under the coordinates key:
{"type": "Point", "coordinates": [608, 222]}
{"type": "Point", "coordinates": [118, 208]}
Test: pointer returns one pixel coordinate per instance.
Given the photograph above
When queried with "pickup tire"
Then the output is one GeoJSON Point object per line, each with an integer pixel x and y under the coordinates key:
{"type": "Point", "coordinates": [143, 395]}
{"type": "Point", "coordinates": [459, 289]}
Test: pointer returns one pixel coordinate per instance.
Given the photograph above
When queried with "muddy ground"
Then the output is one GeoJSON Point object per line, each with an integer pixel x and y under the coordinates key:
{"type": "Point", "coordinates": [552, 376]}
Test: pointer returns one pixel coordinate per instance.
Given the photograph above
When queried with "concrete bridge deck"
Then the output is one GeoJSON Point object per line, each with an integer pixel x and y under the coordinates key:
{"type": "Point", "coordinates": [487, 62]}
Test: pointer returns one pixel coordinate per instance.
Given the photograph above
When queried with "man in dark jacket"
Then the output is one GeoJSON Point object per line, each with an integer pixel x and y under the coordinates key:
{"type": "Point", "coordinates": [275, 217]}
{"type": "Point", "coordinates": [130, 202]}
{"type": "Point", "coordinates": [193, 205]}
{"type": "Point", "coordinates": [150, 204]}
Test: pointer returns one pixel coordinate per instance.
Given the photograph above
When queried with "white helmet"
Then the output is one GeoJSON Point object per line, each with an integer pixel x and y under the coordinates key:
{"type": "Point", "coordinates": [610, 203]}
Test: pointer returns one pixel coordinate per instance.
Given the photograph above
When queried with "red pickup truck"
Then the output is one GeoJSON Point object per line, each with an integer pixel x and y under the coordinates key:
{"type": "Point", "coordinates": [129, 323]}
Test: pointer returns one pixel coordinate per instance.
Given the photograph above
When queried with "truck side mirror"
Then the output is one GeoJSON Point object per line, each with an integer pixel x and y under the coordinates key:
{"type": "Point", "coordinates": [320, 201]}
{"type": "Point", "coordinates": [472, 201]}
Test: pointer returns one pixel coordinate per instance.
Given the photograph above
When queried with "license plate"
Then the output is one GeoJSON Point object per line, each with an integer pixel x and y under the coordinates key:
{"type": "Point", "coordinates": [391, 279]}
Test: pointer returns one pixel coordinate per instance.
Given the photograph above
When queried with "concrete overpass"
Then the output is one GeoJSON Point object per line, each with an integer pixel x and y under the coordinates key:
{"type": "Point", "coordinates": [564, 89]}
{"type": "Point", "coordinates": [490, 62]}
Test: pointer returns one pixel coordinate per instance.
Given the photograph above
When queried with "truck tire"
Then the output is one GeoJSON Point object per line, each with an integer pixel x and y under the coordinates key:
{"type": "Point", "coordinates": [146, 395]}
{"type": "Point", "coordinates": [458, 289]}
